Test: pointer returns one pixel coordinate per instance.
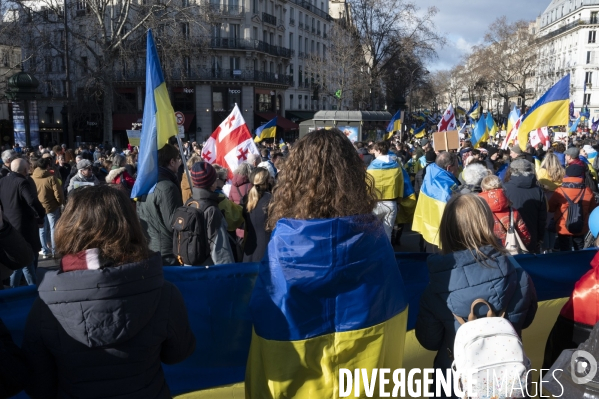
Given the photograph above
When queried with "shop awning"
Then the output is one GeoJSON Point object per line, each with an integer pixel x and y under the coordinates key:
{"type": "Point", "coordinates": [282, 122]}
{"type": "Point", "coordinates": [300, 116]}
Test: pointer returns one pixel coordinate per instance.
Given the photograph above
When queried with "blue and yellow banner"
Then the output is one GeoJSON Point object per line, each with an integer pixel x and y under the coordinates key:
{"type": "Point", "coordinates": [480, 133]}
{"type": "Point", "coordinates": [394, 125]}
{"type": "Point", "coordinates": [266, 131]}
{"type": "Point", "coordinates": [407, 204]}
{"type": "Point", "coordinates": [491, 125]}
{"type": "Point", "coordinates": [158, 124]}
{"type": "Point", "coordinates": [474, 111]}
{"type": "Point", "coordinates": [552, 109]}
{"type": "Point", "coordinates": [419, 132]}
{"type": "Point", "coordinates": [388, 179]}
{"type": "Point", "coordinates": [436, 189]}
{"type": "Point", "coordinates": [314, 311]}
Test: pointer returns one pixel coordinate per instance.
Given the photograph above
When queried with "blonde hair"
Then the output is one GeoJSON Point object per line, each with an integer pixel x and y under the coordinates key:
{"type": "Point", "coordinates": [490, 182]}
{"type": "Point", "coordinates": [194, 159]}
{"type": "Point", "coordinates": [467, 223]}
{"type": "Point", "coordinates": [260, 185]}
{"type": "Point", "coordinates": [554, 169]}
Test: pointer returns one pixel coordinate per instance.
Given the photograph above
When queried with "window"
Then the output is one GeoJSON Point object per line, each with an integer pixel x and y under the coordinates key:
{"type": "Point", "coordinates": [588, 77]}
{"type": "Point", "coordinates": [587, 99]}
{"type": "Point", "coordinates": [312, 47]}
{"type": "Point", "coordinates": [235, 63]}
{"type": "Point", "coordinates": [264, 36]}
{"type": "Point", "coordinates": [216, 31]}
{"type": "Point", "coordinates": [255, 6]}
{"type": "Point", "coordinates": [291, 41]}
{"type": "Point", "coordinates": [234, 30]}
{"type": "Point", "coordinates": [280, 41]}
{"type": "Point", "coordinates": [594, 17]}
{"type": "Point", "coordinates": [255, 33]}
{"type": "Point", "coordinates": [187, 65]}
{"type": "Point", "coordinates": [324, 51]}
{"type": "Point", "coordinates": [185, 29]}
{"type": "Point", "coordinates": [592, 35]}
{"type": "Point", "coordinates": [291, 70]}
{"type": "Point", "coordinates": [84, 64]}
{"type": "Point", "coordinates": [185, 3]}
{"type": "Point", "coordinates": [264, 102]}
{"type": "Point", "coordinates": [291, 15]}
{"type": "Point", "coordinates": [299, 44]}
{"type": "Point", "coordinates": [590, 57]}
{"type": "Point", "coordinates": [300, 75]}
{"type": "Point", "coordinates": [182, 100]}
{"type": "Point", "coordinates": [306, 45]}
{"type": "Point", "coordinates": [318, 49]}
{"type": "Point", "coordinates": [271, 36]}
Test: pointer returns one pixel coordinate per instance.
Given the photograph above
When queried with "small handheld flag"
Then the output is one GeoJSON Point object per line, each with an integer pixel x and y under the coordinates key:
{"type": "Point", "coordinates": [394, 125]}
{"type": "Point", "coordinates": [266, 131]}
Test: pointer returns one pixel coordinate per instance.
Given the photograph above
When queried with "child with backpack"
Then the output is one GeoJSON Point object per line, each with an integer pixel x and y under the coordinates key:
{"type": "Point", "coordinates": [572, 203]}
{"type": "Point", "coordinates": [472, 266]}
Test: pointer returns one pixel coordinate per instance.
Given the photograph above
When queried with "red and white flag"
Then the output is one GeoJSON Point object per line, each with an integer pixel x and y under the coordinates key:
{"type": "Point", "coordinates": [541, 136]}
{"type": "Point", "coordinates": [448, 121]}
{"type": "Point", "coordinates": [512, 136]}
{"type": "Point", "coordinates": [230, 144]}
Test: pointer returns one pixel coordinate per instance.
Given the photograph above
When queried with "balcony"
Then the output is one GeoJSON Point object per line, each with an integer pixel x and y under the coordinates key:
{"type": "Point", "coordinates": [313, 30]}
{"type": "Point", "coordinates": [228, 10]}
{"type": "Point", "coordinates": [324, 35]}
{"type": "Point", "coordinates": [269, 19]}
{"type": "Point", "coordinates": [301, 25]}
{"type": "Point", "coordinates": [301, 54]}
{"type": "Point", "coordinates": [291, 21]}
{"type": "Point", "coordinates": [318, 32]}
{"type": "Point", "coordinates": [311, 8]}
{"type": "Point", "coordinates": [212, 74]}
{"type": "Point", "coordinates": [249, 44]}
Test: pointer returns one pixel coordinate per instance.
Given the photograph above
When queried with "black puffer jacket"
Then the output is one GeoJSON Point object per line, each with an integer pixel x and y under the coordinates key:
{"type": "Point", "coordinates": [103, 333]}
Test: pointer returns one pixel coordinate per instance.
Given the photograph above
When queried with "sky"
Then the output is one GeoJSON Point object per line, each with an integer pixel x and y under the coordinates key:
{"type": "Point", "coordinates": [465, 22]}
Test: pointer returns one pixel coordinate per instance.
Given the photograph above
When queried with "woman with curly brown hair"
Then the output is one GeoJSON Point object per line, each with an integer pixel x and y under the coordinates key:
{"type": "Point", "coordinates": [106, 320]}
{"type": "Point", "coordinates": [328, 287]}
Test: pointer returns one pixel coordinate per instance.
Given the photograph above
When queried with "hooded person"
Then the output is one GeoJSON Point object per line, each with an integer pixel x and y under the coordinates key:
{"type": "Point", "coordinates": [203, 179]}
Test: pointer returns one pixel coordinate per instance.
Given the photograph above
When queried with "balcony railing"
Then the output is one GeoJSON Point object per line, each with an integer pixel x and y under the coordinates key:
{"type": "Point", "coordinates": [249, 44]}
{"type": "Point", "coordinates": [228, 10]}
{"type": "Point", "coordinates": [315, 10]}
{"type": "Point", "coordinates": [301, 25]}
{"type": "Point", "coordinates": [566, 28]}
{"type": "Point", "coordinates": [242, 75]}
{"type": "Point", "coordinates": [269, 19]}
{"type": "Point", "coordinates": [291, 21]}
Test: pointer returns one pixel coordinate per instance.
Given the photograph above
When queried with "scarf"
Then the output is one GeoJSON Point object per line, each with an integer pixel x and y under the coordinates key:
{"type": "Point", "coordinates": [88, 259]}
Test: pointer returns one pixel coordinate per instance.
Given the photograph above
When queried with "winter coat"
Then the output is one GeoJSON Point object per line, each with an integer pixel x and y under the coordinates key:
{"type": "Point", "coordinates": [4, 171]}
{"type": "Point", "coordinates": [529, 200]}
{"type": "Point", "coordinates": [572, 187]}
{"type": "Point", "coordinates": [22, 208]}
{"type": "Point", "coordinates": [500, 206]}
{"type": "Point", "coordinates": [15, 252]}
{"type": "Point", "coordinates": [79, 178]}
{"type": "Point", "coordinates": [157, 208]}
{"type": "Point", "coordinates": [268, 165]}
{"type": "Point", "coordinates": [457, 280]}
{"type": "Point", "coordinates": [216, 227]}
{"type": "Point", "coordinates": [49, 189]}
{"type": "Point", "coordinates": [240, 186]}
{"type": "Point", "coordinates": [185, 189]}
{"type": "Point", "coordinates": [115, 176]}
{"type": "Point", "coordinates": [64, 172]}
{"type": "Point", "coordinates": [67, 182]}
{"type": "Point", "coordinates": [103, 333]}
{"type": "Point", "coordinates": [256, 236]}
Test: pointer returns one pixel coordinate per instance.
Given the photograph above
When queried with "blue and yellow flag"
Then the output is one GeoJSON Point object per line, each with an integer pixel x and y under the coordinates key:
{"type": "Point", "coordinates": [324, 301]}
{"type": "Point", "coordinates": [436, 189]}
{"type": "Point", "coordinates": [158, 124]}
{"type": "Point", "coordinates": [266, 131]}
{"type": "Point", "coordinates": [394, 125]}
{"type": "Point", "coordinates": [480, 133]}
{"type": "Point", "coordinates": [388, 179]}
{"type": "Point", "coordinates": [419, 132]}
{"type": "Point", "coordinates": [407, 204]}
{"type": "Point", "coordinates": [491, 125]}
{"type": "Point", "coordinates": [552, 109]}
{"type": "Point", "coordinates": [474, 111]}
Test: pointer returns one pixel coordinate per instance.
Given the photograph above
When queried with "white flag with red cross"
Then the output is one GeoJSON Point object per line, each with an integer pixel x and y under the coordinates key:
{"type": "Point", "coordinates": [448, 121]}
{"type": "Point", "coordinates": [230, 144]}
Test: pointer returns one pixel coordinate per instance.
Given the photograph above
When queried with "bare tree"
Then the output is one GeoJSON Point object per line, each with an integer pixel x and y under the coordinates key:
{"type": "Point", "coordinates": [388, 30]}
{"type": "Point", "coordinates": [341, 73]}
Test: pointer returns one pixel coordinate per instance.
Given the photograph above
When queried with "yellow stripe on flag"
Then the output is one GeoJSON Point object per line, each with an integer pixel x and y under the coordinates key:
{"type": "Point", "coordinates": [166, 123]}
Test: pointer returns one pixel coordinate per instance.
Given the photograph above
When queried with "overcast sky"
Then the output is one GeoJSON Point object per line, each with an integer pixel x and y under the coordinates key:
{"type": "Point", "coordinates": [464, 22]}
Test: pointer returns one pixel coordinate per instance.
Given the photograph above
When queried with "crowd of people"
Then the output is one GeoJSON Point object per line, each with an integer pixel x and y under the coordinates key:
{"type": "Point", "coordinates": [75, 207]}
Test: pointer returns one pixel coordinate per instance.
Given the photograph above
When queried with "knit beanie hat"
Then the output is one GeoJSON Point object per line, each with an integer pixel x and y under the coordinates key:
{"type": "Point", "coordinates": [203, 175]}
{"type": "Point", "coordinates": [574, 170]}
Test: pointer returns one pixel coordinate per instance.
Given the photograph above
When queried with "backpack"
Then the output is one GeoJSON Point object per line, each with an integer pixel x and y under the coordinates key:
{"type": "Point", "coordinates": [574, 220]}
{"type": "Point", "coordinates": [485, 348]}
{"type": "Point", "coordinates": [190, 239]}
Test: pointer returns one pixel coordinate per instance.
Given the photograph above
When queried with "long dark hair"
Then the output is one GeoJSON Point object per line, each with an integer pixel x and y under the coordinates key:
{"type": "Point", "coordinates": [101, 217]}
{"type": "Point", "coordinates": [323, 178]}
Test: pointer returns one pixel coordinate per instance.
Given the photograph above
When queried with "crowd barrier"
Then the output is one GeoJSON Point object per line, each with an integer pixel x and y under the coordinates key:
{"type": "Point", "coordinates": [217, 300]}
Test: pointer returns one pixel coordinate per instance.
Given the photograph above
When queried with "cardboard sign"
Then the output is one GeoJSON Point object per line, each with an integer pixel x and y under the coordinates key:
{"type": "Point", "coordinates": [445, 141]}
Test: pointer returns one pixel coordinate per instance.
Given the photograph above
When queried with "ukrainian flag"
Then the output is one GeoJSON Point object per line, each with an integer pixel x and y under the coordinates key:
{"type": "Point", "coordinates": [420, 131]}
{"type": "Point", "coordinates": [460, 111]}
{"type": "Point", "coordinates": [480, 133]}
{"type": "Point", "coordinates": [474, 111]}
{"type": "Point", "coordinates": [491, 125]}
{"type": "Point", "coordinates": [407, 205]}
{"type": "Point", "coordinates": [158, 123]}
{"type": "Point", "coordinates": [436, 189]}
{"type": "Point", "coordinates": [552, 109]}
{"type": "Point", "coordinates": [267, 131]}
{"type": "Point", "coordinates": [394, 125]}
{"type": "Point", "coordinates": [324, 300]}
{"type": "Point", "coordinates": [388, 179]}
{"type": "Point", "coordinates": [512, 119]}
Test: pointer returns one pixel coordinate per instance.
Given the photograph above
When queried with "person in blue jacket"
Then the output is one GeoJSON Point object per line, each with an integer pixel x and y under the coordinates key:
{"type": "Point", "coordinates": [472, 265]}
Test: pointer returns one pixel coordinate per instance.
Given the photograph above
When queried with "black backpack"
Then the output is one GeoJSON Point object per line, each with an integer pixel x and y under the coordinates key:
{"type": "Point", "coordinates": [190, 240]}
{"type": "Point", "coordinates": [574, 220]}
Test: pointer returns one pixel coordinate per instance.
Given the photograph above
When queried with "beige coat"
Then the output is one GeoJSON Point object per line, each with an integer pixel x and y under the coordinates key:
{"type": "Point", "coordinates": [49, 189]}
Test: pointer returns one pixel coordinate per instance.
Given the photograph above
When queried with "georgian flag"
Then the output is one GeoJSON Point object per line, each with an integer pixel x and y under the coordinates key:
{"type": "Point", "coordinates": [448, 121]}
{"type": "Point", "coordinates": [230, 144]}
{"type": "Point", "coordinates": [541, 135]}
{"type": "Point", "coordinates": [512, 136]}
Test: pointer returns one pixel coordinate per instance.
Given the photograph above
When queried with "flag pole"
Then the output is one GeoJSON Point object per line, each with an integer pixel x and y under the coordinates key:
{"type": "Point", "coordinates": [180, 144]}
